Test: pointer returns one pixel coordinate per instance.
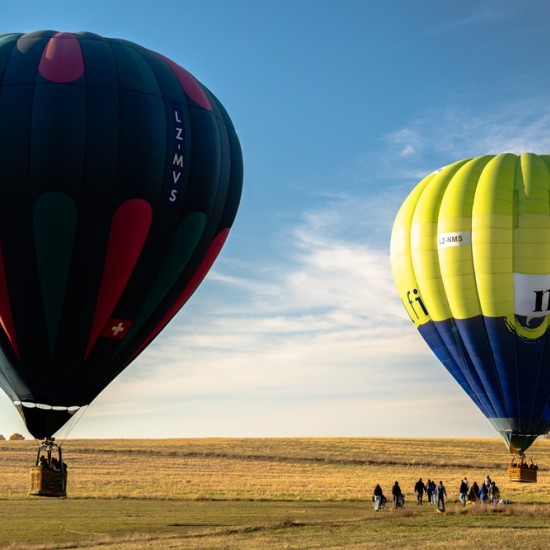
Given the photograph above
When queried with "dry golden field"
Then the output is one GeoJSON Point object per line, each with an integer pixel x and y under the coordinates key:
{"type": "Point", "coordinates": [266, 493]}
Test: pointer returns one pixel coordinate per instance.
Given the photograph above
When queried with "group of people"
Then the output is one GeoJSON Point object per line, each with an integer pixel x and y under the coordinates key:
{"type": "Point", "coordinates": [523, 464]}
{"type": "Point", "coordinates": [487, 492]}
{"type": "Point", "coordinates": [436, 495]}
{"type": "Point", "coordinates": [54, 465]}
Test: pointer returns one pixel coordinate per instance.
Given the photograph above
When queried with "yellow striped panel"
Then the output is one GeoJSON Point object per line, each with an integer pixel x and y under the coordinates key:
{"type": "Point", "coordinates": [492, 231]}
{"type": "Point", "coordinates": [456, 262]}
{"type": "Point", "coordinates": [414, 249]}
{"type": "Point", "coordinates": [463, 233]}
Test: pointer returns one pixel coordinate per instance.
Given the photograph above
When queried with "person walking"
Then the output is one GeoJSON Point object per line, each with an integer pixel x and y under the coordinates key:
{"type": "Point", "coordinates": [419, 489]}
{"type": "Point", "coordinates": [494, 493]}
{"type": "Point", "coordinates": [398, 500]}
{"type": "Point", "coordinates": [430, 488]}
{"type": "Point", "coordinates": [483, 493]}
{"type": "Point", "coordinates": [463, 491]}
{"type": "Point", "coordinates": [378, 498]}
{"type": "Point", "coordinates": [441, 494]}
{"type": "Point", "coordinates": [473, 493]}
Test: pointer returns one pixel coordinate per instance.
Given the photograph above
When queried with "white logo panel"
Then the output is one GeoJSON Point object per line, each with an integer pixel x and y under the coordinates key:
{"type": "Point", "coordinates": [531, 295]}
{"type": "Point", "coordinates": [454, 238]}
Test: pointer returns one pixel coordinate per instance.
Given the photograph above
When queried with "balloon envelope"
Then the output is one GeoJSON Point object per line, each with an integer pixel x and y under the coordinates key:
{"type": "Point", "coordinates": [470, 254]}
{"type": "Point", "coordinates": [120, 177]}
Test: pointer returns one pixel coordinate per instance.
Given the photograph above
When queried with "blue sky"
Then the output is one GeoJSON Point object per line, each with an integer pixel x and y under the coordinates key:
{"type": "Point", "coordinates": [341, 108]}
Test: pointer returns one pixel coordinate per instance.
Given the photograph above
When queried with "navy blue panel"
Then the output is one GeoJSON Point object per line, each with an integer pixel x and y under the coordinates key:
{"type": "Point", "coordinates": [459, 366]}
{"type": "Point", "coordinates": [510, 375]}
{"type": "Point", "coordinates": [503, 344]}
{"type": "Point", "coordinates": [450, 335]}
{"type": "Point", "coordinates": [477, 346]}
{"type": "Point", "coordinates": [529, 367]}
{"type": "Point", "coordinates": [524, 369]}
{"type": "Point", "coordinates": [542, 390]}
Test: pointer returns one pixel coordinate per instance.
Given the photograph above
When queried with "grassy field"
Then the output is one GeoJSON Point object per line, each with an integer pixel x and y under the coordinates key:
{"type": "Point", "coordinates": [268, 493]}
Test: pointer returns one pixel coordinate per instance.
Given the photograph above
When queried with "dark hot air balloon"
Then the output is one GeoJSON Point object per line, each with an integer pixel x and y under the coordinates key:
{"type": "Point", "coordinates": [470, 254]}
{"type": "Point", "coordinates": [120, 178]}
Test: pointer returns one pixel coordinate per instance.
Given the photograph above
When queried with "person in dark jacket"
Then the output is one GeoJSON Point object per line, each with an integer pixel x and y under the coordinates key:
{"type": "Point", "coordinates": [419, 489]}
{"type": "Point", "coordinates": [473, 493]}
{"type": "Point", "coordinates": [494, 493]}
{"type": "Point", "coordinates": [483, 493]}
{"type": "Point", "coordinates": [398, 500]}
{"type": "Point", "coordinates": [441, 494]}
{"type": "Point", "coordinates": [430, 488]}
{"type": "Point", "coordinates": [378, 498]}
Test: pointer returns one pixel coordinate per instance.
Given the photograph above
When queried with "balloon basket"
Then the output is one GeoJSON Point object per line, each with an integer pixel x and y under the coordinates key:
{"type": "Point", "coordinates": [47, 483]}
{"type": "Point", "coordinates": [521, 472]}
{"type": "Point", "coordinates": [49, 474]}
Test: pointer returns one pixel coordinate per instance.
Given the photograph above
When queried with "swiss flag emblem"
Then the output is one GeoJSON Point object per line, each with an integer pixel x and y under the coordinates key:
{"type": "Point", "coordinates": [116, 328]}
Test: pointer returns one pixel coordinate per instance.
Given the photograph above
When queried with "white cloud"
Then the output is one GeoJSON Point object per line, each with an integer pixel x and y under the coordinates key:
{"type": "Point", "coordinates": [406, 141]}
{"type": "Point", "coordinates": [522, 126]}
{"type": "Point", "coordinates": [442, 136]}
{"type": "Point", "coordinates": [323, 347]}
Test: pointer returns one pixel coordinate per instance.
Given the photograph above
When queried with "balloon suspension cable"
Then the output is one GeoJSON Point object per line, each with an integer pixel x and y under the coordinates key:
{"type": "Point", "coordinates": [71, 424]}
{"type": "Point", "coordinates": [66, 430]}
{"type": "Point", "coordinates": [50, 443]}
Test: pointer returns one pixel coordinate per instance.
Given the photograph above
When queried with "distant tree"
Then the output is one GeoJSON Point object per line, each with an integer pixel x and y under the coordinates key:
{"type": "Point", "coordinates": [2, 438]}
{"type": "Point", "coordinates": [16, 437]}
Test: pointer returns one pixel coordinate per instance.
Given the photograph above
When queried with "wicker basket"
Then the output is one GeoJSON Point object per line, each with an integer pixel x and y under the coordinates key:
{"type": "Point", "coordinates": [46, 482]}
{"type": "Point", "coordinates": [522, 474]}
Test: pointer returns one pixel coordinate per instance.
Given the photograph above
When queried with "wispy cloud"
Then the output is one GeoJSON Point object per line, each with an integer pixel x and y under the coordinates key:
{"type": "Point", "coordinates": [322, 347]}
{"type": "Point", "coordinates": [486, 12]}
{"type": "Point", "coordinates": [441, 136]}
{"type": "Point", "coordinates": [407, 142]}
{"type": "Point", "coordinates": [514, 127]}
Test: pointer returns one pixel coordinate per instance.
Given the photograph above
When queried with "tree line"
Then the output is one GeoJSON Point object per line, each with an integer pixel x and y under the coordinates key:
{"type": "Point", "coordinates": [13, 437]}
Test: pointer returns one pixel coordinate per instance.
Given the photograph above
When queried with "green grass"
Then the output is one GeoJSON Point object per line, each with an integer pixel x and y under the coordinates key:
{"type": "Point", "coordinates": [136, 523]}
{"type": "Point", "coordinates": [267, 493]}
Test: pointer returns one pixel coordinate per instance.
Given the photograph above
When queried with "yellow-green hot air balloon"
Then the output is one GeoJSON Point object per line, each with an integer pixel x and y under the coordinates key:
{"type": "Point", "coordinates": [470, 254]}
